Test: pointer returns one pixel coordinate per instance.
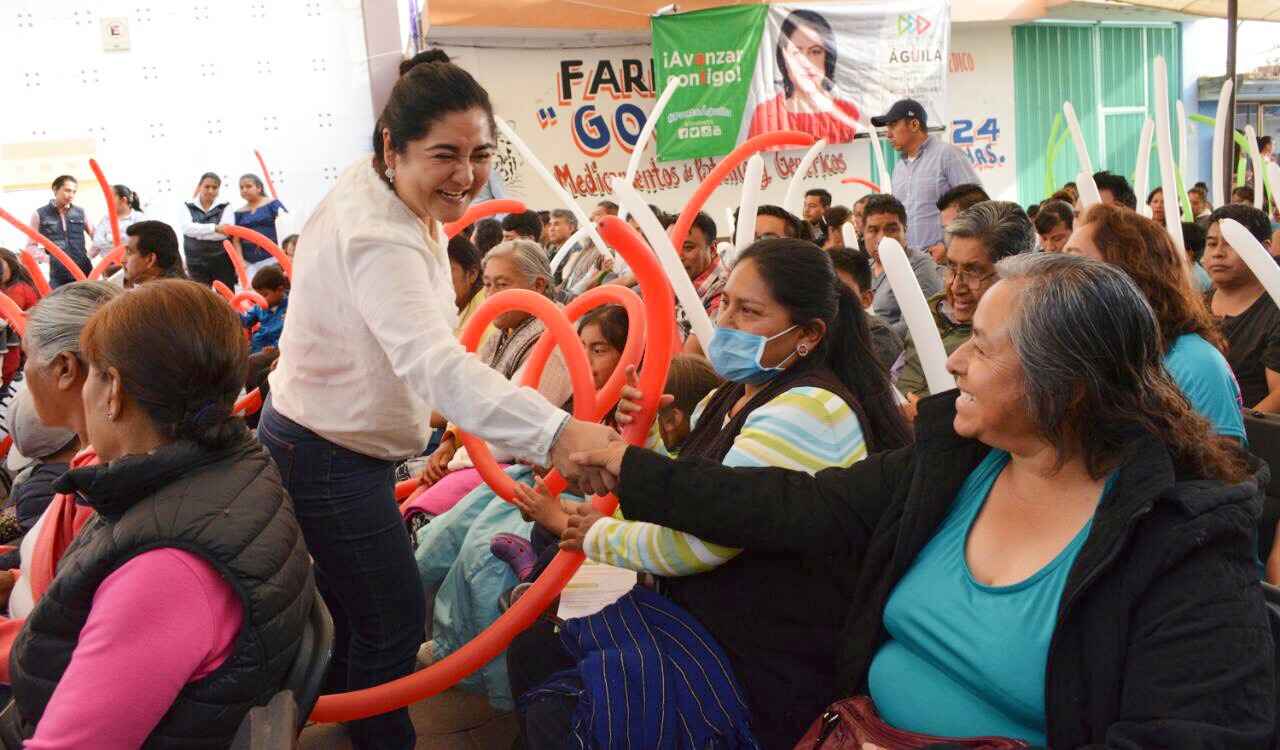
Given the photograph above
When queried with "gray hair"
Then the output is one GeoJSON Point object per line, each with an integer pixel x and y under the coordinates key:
{"type": "Point", "coordinates": [566, 214]}
{"type": "Point", "coordinates": [1090, 349]}
{"type": "Point", "coordinates": [529, 259]}
{"type": "Point", "coordinates": [1001, 226]}
{"type": "Point", "coordinates": [55, 323]}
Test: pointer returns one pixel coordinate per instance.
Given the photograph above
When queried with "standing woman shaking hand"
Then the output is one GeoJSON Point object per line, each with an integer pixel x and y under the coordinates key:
{"type": "Point", "coordinates": [368, 351]}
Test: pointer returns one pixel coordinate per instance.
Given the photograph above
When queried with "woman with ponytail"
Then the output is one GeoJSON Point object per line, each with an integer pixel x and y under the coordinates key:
{"type": "Point", "coordinates": [128, 211]}
{"type": "Point", "coordinates": [195, 546]}
{"type": "Point", "coordinates": [368, 352]}
{"type": "Point", "coordinates": [805, 392]}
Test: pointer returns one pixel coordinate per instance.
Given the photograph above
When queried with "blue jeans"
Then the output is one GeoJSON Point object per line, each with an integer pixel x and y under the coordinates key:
{"type": "Point", "coordinates": [365, 569]}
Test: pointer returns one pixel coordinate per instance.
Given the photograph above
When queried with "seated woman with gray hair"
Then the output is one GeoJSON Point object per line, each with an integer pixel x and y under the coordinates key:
{"type": "Point", "coordinates": [55, 375]}
{"type": "Point", "coordinates": [1064, 556]}
{"type": "Point", "coordinates": [976, 239]}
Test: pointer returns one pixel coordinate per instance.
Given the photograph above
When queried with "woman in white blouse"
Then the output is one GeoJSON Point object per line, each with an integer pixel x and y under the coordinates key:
{"type": "Point", "coordinates": [368, 350]}
{"type": "Point", "coordinates": [128, 211]}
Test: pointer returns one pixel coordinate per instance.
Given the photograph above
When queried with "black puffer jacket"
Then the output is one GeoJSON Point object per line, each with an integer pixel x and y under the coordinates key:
{"type": "Point", "coordinates": [229, 508]}
{"type": "Point", "coordinates": [1162, 637]}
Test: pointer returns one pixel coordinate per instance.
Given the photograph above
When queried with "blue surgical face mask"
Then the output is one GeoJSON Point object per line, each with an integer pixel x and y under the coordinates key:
{"type": "Point", "coordinates": [736, 355]}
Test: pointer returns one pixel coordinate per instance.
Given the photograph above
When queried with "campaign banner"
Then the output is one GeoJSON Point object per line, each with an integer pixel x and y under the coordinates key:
{"type": "Point", "coordinates": [581, 110]}
{"type": "Point", "coordinates": [712, 53]}
{"type": "Point", "coordinates": [823, 68]}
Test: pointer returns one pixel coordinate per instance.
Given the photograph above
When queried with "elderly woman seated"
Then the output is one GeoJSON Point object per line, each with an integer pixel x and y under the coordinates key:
{"type": "Point", "coordinates": [181, 605]}
{"type": "Point", "coordinates": [1064, 556]}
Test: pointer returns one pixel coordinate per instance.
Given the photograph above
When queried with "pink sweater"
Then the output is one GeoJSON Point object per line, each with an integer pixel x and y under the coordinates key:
{"type": "Point", "coordinates": [162, 620]}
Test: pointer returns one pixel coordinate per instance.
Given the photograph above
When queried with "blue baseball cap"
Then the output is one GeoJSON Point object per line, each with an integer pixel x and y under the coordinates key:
{"type": "Point", "coordinates": [902, 110]}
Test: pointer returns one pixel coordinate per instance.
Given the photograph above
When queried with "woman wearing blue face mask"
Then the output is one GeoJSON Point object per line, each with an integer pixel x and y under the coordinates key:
{"type": "Point", "coordinates": [805, 391]}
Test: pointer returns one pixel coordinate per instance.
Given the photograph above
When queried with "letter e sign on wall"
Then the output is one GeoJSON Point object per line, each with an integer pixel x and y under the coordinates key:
{"type": "Point", "coordinates": [115, 34]}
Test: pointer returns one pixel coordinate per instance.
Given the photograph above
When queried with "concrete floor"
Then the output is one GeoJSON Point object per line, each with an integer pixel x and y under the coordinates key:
{"type": "Point", "coordinates": [453, 720]}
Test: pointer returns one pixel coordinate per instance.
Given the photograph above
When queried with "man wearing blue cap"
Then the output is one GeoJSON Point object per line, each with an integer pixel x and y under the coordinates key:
{"type": "Point", "coordinates": [928, 168]}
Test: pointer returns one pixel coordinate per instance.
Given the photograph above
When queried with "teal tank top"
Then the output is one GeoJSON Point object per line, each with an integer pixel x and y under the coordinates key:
{"type": "Point", "coordinates": [965, 659]}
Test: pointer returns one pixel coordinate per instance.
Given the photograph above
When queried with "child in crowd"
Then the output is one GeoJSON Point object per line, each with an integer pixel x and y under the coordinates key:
{"type": "Point", "coordinates": [39, 456]}
{"type": "Point", "coordinates": [273, 285]}
{"type": "Point", "coordinates": [15, 281]}
{"type": "Point", "coordinates": [455, 563]}
{"type": "Point", "coordinates": [17, 284]}
{"type": "Point", "coordinates": [1193, 239]}
{"type": "Point", "coordinates": [689, 380]}
{"type": "Point", "coordinates": [289, 244]}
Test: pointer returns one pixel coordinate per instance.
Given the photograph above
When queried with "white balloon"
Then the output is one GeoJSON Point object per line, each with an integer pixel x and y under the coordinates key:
{"type": "Point", "coordinates": [1077, 137]}
{"type": "Point", "coordinates": [1254, 255]}
{"type": "Point", "coordinates": [532, 160]}
{"type": "Point", "coordinates": [1164, 144]}
{"type": "Point", "coordinates": [1259, 168]}
{"type": "Point", "coordinates": [915, 311]}
{"type": "Point", "coordinates": [574, 239]}
{"type": "Point", "coordinates": [749, 204]}
{"type": "Point", "coordinates": [660, 242]}
{"type": "Point", "coordinates": [1181, 111]}
{"type": "Point", "coordinates": [850, 234]}
{"type": "Point", "coordinates": [727, 254]}
{"type": "Point", "coordinates": [655, 114]}
{"type": "Point", "coordinates": [793, 186]}
{"type": "Point", "coordinates": [1143, 167]}
{"type": "Point", "coordinates": [1221, 131]}
{"type": "Point", "coordinates": [1273, 173]}
{"type": "Point", "coordinates": [1089, 195]}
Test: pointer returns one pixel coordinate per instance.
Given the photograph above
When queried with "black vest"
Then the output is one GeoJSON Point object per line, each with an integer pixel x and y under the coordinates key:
{"type": "Point", "coordinates": [783, 654]}
{"type": "Point", "coordinates": [204, 249]}
{"type": "Point", "coordinates": [71, 240]}
{"type": "Point", "coordinates": [230, 509]}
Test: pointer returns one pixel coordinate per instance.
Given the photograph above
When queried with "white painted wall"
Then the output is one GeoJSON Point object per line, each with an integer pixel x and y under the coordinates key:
{"type": "Point", "coordinates": [203, 86]}
{"type": "Point", "coordinates": [980, 89]}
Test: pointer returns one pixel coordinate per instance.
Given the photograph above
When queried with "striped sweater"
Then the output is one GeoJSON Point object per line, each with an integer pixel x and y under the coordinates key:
{"type": "Point", "coordinates": [805, 429]}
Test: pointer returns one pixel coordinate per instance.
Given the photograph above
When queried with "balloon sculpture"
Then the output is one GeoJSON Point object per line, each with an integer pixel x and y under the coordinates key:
{"type": "Point", "coordinates": [54, 251]}
{"type": "Point", "coordinates": [114, 255]}
{"type": "Point", "coordinates": [244, 233]}
{"type": "Point", "coordinates": [659, 344]}
{"type": "Point", "coordinates": [266, 175]}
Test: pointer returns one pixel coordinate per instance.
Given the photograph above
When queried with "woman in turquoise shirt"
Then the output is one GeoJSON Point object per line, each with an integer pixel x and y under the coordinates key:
{"type": "Point", "coordinates": [1193, 344]}
{"type": "Point", "coordinates": [1065, 555]}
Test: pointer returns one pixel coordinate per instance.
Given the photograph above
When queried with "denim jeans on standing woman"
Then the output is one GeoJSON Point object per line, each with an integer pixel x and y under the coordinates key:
{"type": "Point", "coordinates": [346, 505]}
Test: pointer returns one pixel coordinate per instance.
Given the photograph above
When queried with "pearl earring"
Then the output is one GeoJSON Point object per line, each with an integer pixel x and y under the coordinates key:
{"type": "Point", "coordinates": [391, 174]}
{"type": "Point", "coordinates": [110, 415]}
{"type": "Point", "coordinates": [803, 350]}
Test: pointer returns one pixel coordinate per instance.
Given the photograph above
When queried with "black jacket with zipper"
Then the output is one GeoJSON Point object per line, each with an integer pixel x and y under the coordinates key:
{"type": "Point", "coordinates": [227, 507]}
{"type": "Point", "coordinates": [1162, 638]}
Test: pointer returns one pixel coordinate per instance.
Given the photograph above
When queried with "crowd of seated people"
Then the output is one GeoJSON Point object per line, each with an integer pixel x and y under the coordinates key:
{"type": "Point", "coordinates": [1062, 551]}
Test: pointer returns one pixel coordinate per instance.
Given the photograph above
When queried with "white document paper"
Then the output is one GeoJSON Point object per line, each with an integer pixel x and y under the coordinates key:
{"type": "Point", "coordinates": [594, 587]}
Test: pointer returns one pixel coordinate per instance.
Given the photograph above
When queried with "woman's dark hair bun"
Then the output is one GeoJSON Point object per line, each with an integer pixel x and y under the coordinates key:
{"type": "Point", "coordinates": [429, 88]}
{"type": "Point", "coordinates": [433, 55]}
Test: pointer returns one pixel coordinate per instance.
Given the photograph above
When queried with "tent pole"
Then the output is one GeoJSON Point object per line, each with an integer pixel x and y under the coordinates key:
{"type": "Point", "coordinates": [1228, 143]}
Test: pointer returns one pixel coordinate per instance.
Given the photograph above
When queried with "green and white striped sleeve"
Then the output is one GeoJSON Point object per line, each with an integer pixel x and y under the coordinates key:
{"type": "Point", "coordinates": [805, 429]}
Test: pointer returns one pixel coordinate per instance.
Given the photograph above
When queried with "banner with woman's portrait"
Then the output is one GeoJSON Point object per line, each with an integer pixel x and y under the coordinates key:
{"type": "Point", "coordinates": [823, 68]}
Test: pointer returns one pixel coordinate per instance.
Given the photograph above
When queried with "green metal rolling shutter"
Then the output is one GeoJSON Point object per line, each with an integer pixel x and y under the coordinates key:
{"type": "Point", "coordinates": [1105, 71]}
